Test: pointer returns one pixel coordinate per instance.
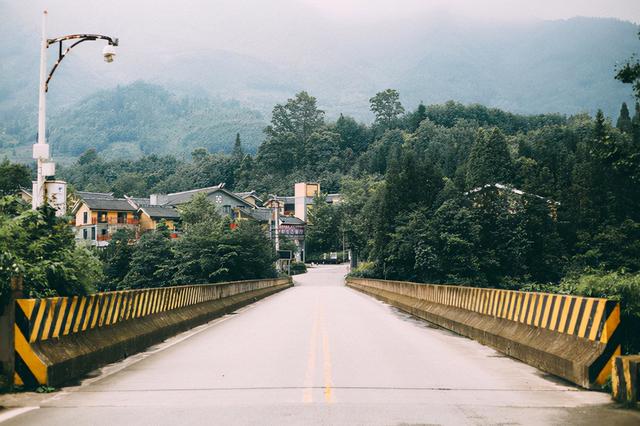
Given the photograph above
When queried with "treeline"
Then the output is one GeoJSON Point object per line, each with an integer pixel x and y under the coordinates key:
{"type": "Point", "coordinates": [299, 146]}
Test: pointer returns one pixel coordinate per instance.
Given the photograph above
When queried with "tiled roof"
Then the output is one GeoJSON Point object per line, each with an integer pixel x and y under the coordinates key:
{"type": "Point", "coordinates": [158, 212]}
{"type": "Point", "coordinates": [185, 196]}
{"type": "Point", "coordinates": [95, 195]}
{"type": "Point", "coordinates": [253, 194]}
{"type": "Point", "coordinates": [259, 214]}
{"type": "Point", "coordinates": [140, 202]}
{"type": "Point", "coordinates": [118, 204]}
{"type": "Point", "coordinates": [290, 220]}
{"type": "Point", "coordinates": [286, 200]}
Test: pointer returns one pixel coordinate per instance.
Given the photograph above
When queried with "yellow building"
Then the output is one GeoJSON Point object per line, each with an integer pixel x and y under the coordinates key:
{"type": "Point", "coordinates": [150, 217]}
{"type": "Point", "coordinates": [98, 215]}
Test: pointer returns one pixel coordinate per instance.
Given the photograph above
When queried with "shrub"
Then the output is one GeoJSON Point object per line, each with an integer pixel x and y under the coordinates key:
{"type": "Point", "coordinates": [621, 286]}
{"type": "Point", "coordinates": [364, 270]}
{"type": "Point", "coordinates": [298, 268]}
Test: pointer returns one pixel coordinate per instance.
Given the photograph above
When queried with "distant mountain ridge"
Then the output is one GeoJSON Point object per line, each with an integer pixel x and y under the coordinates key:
{"type": "Point", "coordinates": [139, 119]}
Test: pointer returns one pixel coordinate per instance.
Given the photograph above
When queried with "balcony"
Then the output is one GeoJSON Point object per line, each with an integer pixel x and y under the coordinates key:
{"type": "Point", "coordinates": [123, 221]}
{"type": "Point", "coordinates": [105, 237]}
{"type": "Point", "coordinates": [114, 221]}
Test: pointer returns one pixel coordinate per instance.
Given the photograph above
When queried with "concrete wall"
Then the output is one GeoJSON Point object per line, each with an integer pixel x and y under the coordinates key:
{"type": "Point", "coordinates": [62, 338]}
{"type": "Point", "coordinates": [572, 337]}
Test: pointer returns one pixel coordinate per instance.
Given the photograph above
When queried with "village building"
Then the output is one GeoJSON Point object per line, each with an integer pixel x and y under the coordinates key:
{"type": "Point", "coordinates": [250, 197]}
{"type": "Point", "coordinates": [299, 204]}
{"type": "Point", "coordinates": [225, 201]}
{"type": "Point", "coordinates": [99, 215]}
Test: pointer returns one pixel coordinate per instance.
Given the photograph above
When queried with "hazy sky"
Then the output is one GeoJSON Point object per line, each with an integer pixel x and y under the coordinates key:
{"type": "Point", "coordinates": [358, 10]}
{"type": "Point", "coordinates": [497, 9]}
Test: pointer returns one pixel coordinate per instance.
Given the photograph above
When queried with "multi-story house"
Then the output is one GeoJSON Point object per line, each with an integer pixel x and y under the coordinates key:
{"type": "Point", "coordinates": [98, 215]}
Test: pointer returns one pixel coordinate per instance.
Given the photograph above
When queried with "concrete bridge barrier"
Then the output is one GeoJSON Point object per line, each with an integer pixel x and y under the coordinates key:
{"type": "Point", "coordinates": [61, 338]}
{"type": "Point", "coordinates": [572, 337]}
{"type": "Point", "coordinates": [625, 379]}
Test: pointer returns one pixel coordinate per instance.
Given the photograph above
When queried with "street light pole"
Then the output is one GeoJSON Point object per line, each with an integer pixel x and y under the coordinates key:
{"type": "Point", "coordinates": [41, 151]}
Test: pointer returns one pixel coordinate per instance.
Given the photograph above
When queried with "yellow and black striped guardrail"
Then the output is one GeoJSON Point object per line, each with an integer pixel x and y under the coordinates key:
{"type": "Point", "coordinates": [55, 317]}
{"type": "Point", "coordinates": [594, 319]}
{"type": "Point", "coordinates": [625, 379]}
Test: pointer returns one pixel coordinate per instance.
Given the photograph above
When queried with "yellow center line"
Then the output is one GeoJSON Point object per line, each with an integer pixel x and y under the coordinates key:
{"type": "Point", "coordinates": [311, 363]}
{"type": "Point", "coordinates": [326, 354]}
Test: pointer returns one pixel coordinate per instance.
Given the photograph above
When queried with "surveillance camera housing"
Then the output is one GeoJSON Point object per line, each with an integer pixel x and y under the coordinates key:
{"type": "Point", "coordinates": [109, 52]}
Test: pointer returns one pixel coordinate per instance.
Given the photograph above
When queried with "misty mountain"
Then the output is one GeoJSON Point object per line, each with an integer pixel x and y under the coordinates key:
{"type": "Point", "coordinates": [130, 121]}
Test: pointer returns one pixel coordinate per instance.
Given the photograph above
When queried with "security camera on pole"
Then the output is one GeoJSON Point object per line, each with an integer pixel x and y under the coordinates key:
{"type": "Point", "coordinates": [45, 188]}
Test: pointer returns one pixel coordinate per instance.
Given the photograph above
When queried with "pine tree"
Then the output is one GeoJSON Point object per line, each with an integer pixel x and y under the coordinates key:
{"type": "Point", "coordinates": [635, 125]}
{"type": "Point", "coordinates": [489, 160]}
{"type": "Point", "coordinates": [238, 152]}
{"type": "Point", "coordinates": [624, 120]}
{"type": "Point", "coordinates": [417, 117]}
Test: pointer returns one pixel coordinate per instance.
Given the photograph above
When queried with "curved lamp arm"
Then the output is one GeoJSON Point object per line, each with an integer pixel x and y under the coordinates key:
{"type": "Point", "coordinates": [80, 38]}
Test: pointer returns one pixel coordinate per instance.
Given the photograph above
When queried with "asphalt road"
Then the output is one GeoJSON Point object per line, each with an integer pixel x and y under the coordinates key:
{"type": "Point", "coordinates": [318, 353]}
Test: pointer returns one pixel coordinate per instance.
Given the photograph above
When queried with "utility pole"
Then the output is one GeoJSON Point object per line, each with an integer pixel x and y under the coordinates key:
{"type": "Point", "coordinates": [41, 149]}
{"type": "Point", "coordinates": [44, 190]}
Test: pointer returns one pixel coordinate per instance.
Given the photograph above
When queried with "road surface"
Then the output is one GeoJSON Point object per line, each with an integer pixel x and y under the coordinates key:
{"type": "Point", "coordinates": [318, 353]}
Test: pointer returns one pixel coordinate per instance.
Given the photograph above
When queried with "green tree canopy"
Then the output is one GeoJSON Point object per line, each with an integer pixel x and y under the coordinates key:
{"type": "Point", "coordinates": [630, 73]}
{"type": "Point", "coordinates": [39, 247]}
{"type": "Point", "coordinates": [489, 160]}
{"type": "Point", "coordinates": [13, 177]}
{"type": "Point", "coordinates": [387, 108]}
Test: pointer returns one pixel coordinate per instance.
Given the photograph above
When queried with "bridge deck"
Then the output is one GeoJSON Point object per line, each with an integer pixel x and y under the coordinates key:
{"type": "Point", "coordinates": [318, 353]}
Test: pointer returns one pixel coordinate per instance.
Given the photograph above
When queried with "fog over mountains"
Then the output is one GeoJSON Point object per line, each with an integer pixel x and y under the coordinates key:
{"type": "Point", "coordinates": [262, 53]}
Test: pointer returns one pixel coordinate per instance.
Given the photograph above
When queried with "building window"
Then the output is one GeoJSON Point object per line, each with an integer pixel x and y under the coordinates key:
{"type": "Point", "coordinates": [103, 232]}
{"type": "Point", "coordinates": [85, 217]}
{"type": "Point", "coordinates": [93, 234]}
{"type": "Point", "coordinates": [85, 234]}
{"type": "Point", "coordinates": [122, 217]}
{"type": "Point", "coordinates": [226, 209]}
{"type": "Point", "coordinates": [102, 217]}
{"type": "Point", "coordinates": [218, 199]}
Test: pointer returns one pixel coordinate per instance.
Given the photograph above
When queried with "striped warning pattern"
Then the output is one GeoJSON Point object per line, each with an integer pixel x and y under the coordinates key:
{"type": "Point", "coordinates": [625, 379]}
{"type": "Point", "coordinates": [55, 317]}
{"type": "Point", "coordinates": [595, 319]}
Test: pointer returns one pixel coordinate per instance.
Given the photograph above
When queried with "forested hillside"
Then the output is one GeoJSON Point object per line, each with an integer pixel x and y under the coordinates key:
{"type": "Point", "coordinates": [139, 119]}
